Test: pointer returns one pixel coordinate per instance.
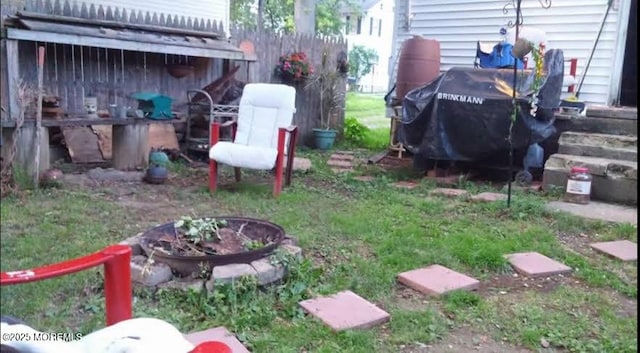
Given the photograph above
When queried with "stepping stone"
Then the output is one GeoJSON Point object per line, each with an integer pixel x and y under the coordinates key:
{"type": "Point", "coordinates": [533, 264]}
{"type": "Point", "coordinates": [339, 163]}
{"type": "Point", "coordinates": [437, 280]}
{"type": "Point", "coordinates": [341, 170]}
{"type": "Point", "coordinates": [622, 249]}
{"type": "Point", "coordinates": [345, 310]}
{"type": "Point", "coordinates": [448, 192]}
{"type": "Point", "coordinates": [301, 164]}
{"type": "Point", "coordinates": [450, 180]}
{"type": "Point", "coordinates": [217, 334]}
{"type": "Point", "coordinates": [406, 184]}
{"type": "Point", "coordinates": [364, 178]}
{"type": "Point", "coordinates": [489, 197]}
{"type": "Point", "coordinates": [342, 156]}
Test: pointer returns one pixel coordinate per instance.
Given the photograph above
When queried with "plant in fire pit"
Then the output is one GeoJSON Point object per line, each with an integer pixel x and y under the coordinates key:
{"type": "Point", "coordinates": [293, 68]}
{"type": "Point", "coordinates": [200, 230]}
{"type": "Point", "coordinates": [202, 236]}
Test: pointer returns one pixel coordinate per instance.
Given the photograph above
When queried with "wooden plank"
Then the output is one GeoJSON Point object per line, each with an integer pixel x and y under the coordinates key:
{"type": "Point", "coordinates": [104, 134]}
{"type": "Point", "coordinates": [163, 136]}
{"type": "Point", "coordinates": [111, 43]}
{"type": "Point", "coordinates": [82, 144]}
{"type": "Point", "coordinates": [25, 150]}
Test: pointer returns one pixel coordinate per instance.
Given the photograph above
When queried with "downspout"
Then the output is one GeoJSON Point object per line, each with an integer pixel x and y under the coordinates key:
{"type": "Point", "coordinates": [624, 12]}
{"type": "Point", "coordinates": [408, 16]}
{"type": "Point", "coordinates": [593, 49]}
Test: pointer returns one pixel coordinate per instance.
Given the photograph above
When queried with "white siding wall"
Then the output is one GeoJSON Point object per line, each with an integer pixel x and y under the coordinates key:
{"type": "Point", "coordinates": [571, 25]}
{"type": "Point", "coordinates": [217, 10]}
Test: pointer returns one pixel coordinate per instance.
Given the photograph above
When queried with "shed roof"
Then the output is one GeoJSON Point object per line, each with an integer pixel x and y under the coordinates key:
{"type": "Point", "coordinates": [116, 35]}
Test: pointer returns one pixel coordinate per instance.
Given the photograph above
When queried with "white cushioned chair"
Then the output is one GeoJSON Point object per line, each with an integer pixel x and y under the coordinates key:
{"type": "Point", "coordinates": [262, 136]}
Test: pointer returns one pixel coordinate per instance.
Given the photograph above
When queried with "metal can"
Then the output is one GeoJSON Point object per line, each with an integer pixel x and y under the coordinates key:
{"type": "Point", "coordinates": [578, 186]}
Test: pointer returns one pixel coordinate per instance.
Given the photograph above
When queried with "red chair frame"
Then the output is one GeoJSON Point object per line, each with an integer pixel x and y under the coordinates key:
{"type": "Point", "coordinates": [282, 132]}
{"type": "Point", "coordinates": [117, 284]}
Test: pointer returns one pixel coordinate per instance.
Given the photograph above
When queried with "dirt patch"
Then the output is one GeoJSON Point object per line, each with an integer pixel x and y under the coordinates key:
{"type": "Point", "coordinates": [464, 340]}
{"type": "Point", "coordinates": [513, 283]}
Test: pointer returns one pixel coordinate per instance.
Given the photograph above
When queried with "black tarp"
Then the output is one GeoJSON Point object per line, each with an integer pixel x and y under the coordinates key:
{"type": "Point", "coordinates": [465, 113]}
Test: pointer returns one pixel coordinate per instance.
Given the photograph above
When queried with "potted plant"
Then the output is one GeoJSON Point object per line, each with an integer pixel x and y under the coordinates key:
{"type": "Point", "coordinates": [157, 173]}
{"type": "Point", "coordinates": [293, 68]}
{"type": "Point", "coordinates": [329, 82]}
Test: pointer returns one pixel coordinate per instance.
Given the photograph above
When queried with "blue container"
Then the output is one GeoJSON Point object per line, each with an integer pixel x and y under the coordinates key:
{"type": "Point", "coordinates": [324, 139]}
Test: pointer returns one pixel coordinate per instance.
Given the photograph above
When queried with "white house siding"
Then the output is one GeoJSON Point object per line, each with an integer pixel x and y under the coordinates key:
{"type": "Point", "coordinates": [217, 10]}
{"type": "Point", "coordinates": [377, 81]}
{"type": "Point", "coordinates": [571, 25]}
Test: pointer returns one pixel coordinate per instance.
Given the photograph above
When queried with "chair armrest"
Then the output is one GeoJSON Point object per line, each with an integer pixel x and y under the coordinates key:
{"type": "Point", "coordinates": [231, 122]}
{"type": "Point", "coordinates": [117, 277]}
{"type": "Point", "coordinates": [291, 128]}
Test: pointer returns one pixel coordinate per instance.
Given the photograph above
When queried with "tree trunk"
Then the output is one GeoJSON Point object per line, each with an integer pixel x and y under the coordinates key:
{"type": "Point", "coordinates": [260, 23]}
{"type": "Point", "coordinates": [305, 16]}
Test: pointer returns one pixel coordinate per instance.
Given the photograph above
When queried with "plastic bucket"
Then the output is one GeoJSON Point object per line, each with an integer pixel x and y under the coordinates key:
{"type": "Point", "coordinates": [324, 138]}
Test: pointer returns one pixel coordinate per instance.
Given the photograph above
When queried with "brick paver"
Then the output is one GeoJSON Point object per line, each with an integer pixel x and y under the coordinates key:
{"type": "Point", "coordinates": [406, 184]}
{"type": "Point", "coordinates": [218, 334]}
{"type": "Point", "coordinates": [533, 264]}
{"type": "Point", "coordinates": [345, 310]}
{"type": "Point", "coordinates": [437, 280]}
{"type": "Point", "coordinates": [448, 192]}
{"type": "Point", "coordinates": [489, 197]}
{"type": "Point", "coordinates": [624, 250]}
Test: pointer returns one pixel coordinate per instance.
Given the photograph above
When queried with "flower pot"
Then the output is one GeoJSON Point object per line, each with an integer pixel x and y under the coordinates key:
{"type": "Point", "coordinates": [179, 71]}
{"type": "Point", "coordinates": [156, 174]}
{"type": "Point", "coordinates": [324, 138]}
{"type": "Point", "coordinates": [159, 158]}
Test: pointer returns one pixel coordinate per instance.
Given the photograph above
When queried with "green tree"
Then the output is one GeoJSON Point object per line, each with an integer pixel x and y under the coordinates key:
{"type": "Point", "coordinates": [361, 61]}
{"type": "Point", "coordinates": [278, 15]}
{"type": "Point", "coordinates": [242, 14]}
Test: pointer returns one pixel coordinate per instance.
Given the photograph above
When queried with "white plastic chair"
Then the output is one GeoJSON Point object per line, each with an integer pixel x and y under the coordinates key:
{"type": "Point", "coordinates": [262, 136]}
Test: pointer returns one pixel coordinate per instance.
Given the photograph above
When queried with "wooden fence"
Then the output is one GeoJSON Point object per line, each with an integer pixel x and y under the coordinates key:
{"type": "Point", "coordinates": [270, 46]}
{"type": "Point", "coordinates": [72, 72]}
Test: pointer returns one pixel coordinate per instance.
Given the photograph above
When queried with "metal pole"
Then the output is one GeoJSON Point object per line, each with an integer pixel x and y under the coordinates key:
{"type": "Point", "coordinates": [514, 106]}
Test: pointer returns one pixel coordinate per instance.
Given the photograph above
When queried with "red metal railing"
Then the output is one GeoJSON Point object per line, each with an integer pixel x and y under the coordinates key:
{"type": "Point", "coordinates": [117, 284]}
{"type": "Point", "coordinates": [117, 277]}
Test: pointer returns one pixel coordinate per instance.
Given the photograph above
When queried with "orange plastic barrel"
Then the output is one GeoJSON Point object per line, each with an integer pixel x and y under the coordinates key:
{"type": "Point", "coordinates": [418, 64]}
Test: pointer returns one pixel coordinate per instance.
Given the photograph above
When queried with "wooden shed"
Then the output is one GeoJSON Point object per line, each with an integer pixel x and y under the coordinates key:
{"type": "Point", "coordinates": [110, 54]}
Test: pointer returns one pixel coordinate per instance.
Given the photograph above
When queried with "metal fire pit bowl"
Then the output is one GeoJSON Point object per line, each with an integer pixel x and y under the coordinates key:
{"type": "Point", "coordinates": [187, 265]}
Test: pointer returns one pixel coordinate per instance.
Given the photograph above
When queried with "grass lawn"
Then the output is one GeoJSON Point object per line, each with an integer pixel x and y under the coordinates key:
{"type": "Point", "coordinates": [369, 110]}
{"type": "Point", "coordinates": [355, 236]}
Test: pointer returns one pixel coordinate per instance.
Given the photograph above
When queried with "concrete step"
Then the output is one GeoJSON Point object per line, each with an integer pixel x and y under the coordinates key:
{"type": "Point", "coordinates": [617, 147]}
{"type": "Point", "coordinates": [613, 180]}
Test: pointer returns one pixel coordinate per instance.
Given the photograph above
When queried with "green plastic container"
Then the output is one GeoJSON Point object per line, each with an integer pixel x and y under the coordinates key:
{"type": "Point", "coordinates": [324, 139]}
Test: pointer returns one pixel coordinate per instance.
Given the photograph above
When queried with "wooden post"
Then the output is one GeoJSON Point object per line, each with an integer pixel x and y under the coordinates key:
{"type": "Point", "coordinates": [130, 146]}
{"type": "Point", "coordinates": [26, 150]}
{"type": "Point", "coordinates": [304, 15]}
{"type": "Point", "coordinates": [13, 77]}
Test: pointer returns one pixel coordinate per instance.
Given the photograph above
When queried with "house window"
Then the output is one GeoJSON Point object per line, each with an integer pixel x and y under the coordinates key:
{"type": "Point", "coordinates": [371, 26]}
{"type": "Point", "coordinates": [380, 28]}
{"type": "Point", "coordinates": [359, 29]}
{"type": "Point", "coordinates": [347, 25]}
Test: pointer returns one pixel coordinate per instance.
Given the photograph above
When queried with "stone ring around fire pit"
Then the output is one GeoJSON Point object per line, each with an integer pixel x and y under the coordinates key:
{"type": "Point", "coordinates": [234, 247]}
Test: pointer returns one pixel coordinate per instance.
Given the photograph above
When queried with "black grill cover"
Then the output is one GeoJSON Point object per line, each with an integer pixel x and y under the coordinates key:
{"type": "Point", "coordinates": [465, 113]}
